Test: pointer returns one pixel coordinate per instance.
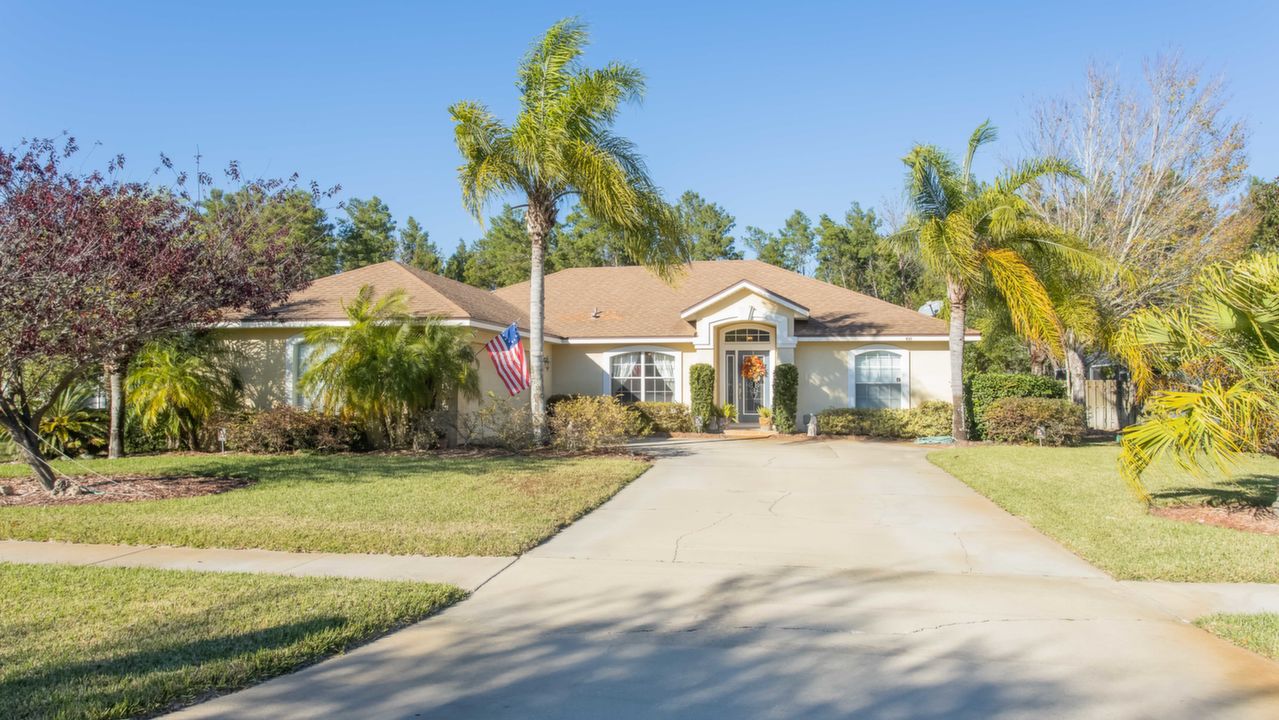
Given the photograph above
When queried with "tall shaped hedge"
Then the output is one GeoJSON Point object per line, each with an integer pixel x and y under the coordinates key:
{"type": "Point", "coordinates": [785, 397]}
{"type": "Point", "coordinates": [701, 383]}
{"type": "Point", "coordinates": [986, 388]}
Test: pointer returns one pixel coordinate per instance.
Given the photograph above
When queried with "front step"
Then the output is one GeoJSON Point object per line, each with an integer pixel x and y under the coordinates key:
{"type": "Point", "coordinates": [748, 432]}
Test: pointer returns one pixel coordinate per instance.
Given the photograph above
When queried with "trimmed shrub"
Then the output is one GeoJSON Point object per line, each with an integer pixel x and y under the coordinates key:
{"type": "Point", "coordinates": [589, 423]}
{"type": "Point", "coordinates": [286, 429]}
{"type": "Point", "coordinates": [701, 384]}
{"type": "Point", "coordinates": [650, 418]}
{"type": "Point", "coordinates": [1015, 420]}
{"type": "Point", "coordinates": [785, 397]}
{"type": "Point", "coordinates": [930, 419]}
{"type": "Point", "coordinates": [986, 388]}
{"type": "Point", "coordinates": [499, 423]}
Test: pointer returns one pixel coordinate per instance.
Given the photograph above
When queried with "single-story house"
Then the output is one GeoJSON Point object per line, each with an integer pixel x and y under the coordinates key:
{"type": "Point", "coordinates": [624, 331]}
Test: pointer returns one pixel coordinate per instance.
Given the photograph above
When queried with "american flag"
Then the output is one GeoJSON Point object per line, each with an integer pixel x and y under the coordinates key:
{"type": "Point", "coordinates": [508, 357]}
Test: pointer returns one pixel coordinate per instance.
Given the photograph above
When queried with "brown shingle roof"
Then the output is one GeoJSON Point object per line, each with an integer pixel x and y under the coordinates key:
{"type": "Point", "coordinates": [632, 302]}
{"type": "Point", "coordinates": [429, 295]}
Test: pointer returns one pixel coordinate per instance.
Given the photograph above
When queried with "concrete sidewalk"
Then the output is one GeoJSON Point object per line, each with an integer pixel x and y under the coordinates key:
{"type": "Point", "coordinates": [779, 579]}
{"type": "Point", "coordinates": [465, 572]}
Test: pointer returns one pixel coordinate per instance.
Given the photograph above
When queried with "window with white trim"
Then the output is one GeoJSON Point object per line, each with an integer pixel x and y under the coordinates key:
{"type": "Point", "coordinates": [643, 376]}
{"type": "Point", "coordinates": [878, 379]}
{"type": "Point", "coordinates": [302, 357]}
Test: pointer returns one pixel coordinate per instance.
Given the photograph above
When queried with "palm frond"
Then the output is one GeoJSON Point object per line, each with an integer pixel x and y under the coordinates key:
{"type": "Point", "coordinates": [489, 164]}
{"type": "Point", "coordinates": [1028, 171]}
{"type": "Point", "coordinates": [549, 60]}
{"type": "Point", "coordinates": [983, 135]}
{"type": "Point", "coordinates": [1213, 425]}
{"type": "Point", "coordinates": [1030, 308]}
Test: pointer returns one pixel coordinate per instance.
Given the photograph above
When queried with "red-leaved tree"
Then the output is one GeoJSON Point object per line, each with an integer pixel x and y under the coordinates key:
{"type": "Point", "coordinates": [92, 267]}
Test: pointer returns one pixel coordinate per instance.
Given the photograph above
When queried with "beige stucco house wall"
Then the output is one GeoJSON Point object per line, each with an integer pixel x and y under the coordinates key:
{"type": "Point", "coordinates": [824, 330]}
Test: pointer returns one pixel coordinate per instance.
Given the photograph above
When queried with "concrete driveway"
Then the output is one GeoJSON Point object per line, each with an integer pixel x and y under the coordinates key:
{"type": "Point", "coordinates": [775, 579]}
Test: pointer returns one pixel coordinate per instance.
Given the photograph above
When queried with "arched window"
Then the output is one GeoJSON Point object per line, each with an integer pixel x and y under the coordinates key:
{"type": "Point", "coordinates": [646, 375]}
{"type": "Point", "coordinates": [880, 379]}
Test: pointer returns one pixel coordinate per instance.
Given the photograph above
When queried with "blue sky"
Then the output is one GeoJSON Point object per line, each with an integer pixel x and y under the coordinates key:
{"type": "Point", "coordinates": [761, 107]}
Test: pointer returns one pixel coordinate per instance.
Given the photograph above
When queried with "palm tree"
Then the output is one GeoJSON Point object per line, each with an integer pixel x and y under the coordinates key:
{"type": "Point", "coordinates": [71, 426]}
{"type": "Point", "coordinates": [1209, 370]}
{"type": "Point", "coordinates": [386, 369]}
{"type": "Point", "coordinates": [177, 384]}
{"type": "Point", "coordinates": [982, 237]}
{"type": "Point", "coordinates": [561, 145]}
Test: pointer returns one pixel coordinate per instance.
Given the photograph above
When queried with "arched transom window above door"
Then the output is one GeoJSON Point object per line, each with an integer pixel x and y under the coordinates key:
{"type": "Point", "coordinates": [643, 375]}
{"type": "Point", "coordinates": [748, 335]}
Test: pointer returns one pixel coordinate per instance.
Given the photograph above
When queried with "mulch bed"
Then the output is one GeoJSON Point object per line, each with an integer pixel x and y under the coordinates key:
{"type": "Point", "coordinates": [1238, 517]}
{"type": "Point", "coordinates": [86, 489]}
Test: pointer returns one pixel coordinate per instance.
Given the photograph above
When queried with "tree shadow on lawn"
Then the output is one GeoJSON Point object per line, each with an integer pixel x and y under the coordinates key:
{"type": "Point", "coordinates": [342, 467]}
{"type": "Point", "coordinates": [147, 681]}
{"type": "Point", "coordinates": [738, 648]}
{"type": "Point", "coordinates": [1253, 490]}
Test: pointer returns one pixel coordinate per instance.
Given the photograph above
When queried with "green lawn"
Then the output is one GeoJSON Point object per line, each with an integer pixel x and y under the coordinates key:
{"type": "Point", "coordinates": [87, 642]}
{"type": "Point", "coordinates": [399, 504]}
{"type": "Point", "coordinates": [1076, 496]}
{"type": "Point", "coordinates": [1259, 633]}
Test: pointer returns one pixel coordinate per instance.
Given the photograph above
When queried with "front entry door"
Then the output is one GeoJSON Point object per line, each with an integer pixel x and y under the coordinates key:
{"type": "Point", "coordinates": [746, 395]}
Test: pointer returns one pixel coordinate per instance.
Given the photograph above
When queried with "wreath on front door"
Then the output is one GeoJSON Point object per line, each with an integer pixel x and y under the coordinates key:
{"type": "Point", "coordinates": [753, 369]}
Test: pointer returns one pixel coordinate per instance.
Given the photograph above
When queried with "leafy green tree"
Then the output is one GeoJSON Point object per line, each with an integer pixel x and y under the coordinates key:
{"type": "Point", "coordinates": [386, 369]}
{"type": "Point", "coordinates": [560, 145]}
{"type": "Point", "coordinates": [458, 262]}
{"type": "Point", "coordinates": [984, 236]}
{"type": "Point", "coordinates": [176, 384]}
{"type": "Point", "coordinates": [1207, 365]}
{"type": "Point", "coordinates": [855, 255]}
{"type": "Point", "coordinates": [500, 257]}
{"type": "Point", "coordinates": [708, 228]}
{"type": "Point", "coordinates": [583, 241]}
{"type": "Point", "coordinates": [307, 224]}
{"type": "Point", "coordinates": [799, 239]}
{"type": "Point", "coordinates": [1263, 201]}
{"type": "Point", "coordinates": [791, 247]}
{"type": "Point", "coordinates": [416, 248]}
{"type": "Point", "coordinates": [766, 246]}
{"type": "Point", "coordinates": [366, 235]}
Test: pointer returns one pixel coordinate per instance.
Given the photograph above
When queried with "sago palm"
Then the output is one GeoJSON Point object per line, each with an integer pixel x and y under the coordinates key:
{"type": "Point", "coordinates": [982, 237]}
{"type": "Point", "coordinates": [1209, 370]}
{"type": "Point", "coordinates": [71, 426]}
{"type": "Point", "coordinates": [561, 144]}
{"type": "Point", "coordinates": [385, 368]}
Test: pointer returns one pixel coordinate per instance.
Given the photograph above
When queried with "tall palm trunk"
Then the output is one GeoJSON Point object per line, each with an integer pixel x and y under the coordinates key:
{"type": "Point", "coordinates": [115, 408]}
{"type": "Point", "coordinates": [539, 219]}
{"type": "Point", "coordinates": [958, 296]}
{"type": "Point", "coordinates": [1038, 358]}
{"type": "Point", "coordinates": [1076, 369]}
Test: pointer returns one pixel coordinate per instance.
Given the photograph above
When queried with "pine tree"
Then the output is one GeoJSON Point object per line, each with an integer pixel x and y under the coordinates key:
{"type": "Point", "coordinates": [366, 235]}
{"type": "Point", "coordinates": [455, 268]}
{"type": "Point", "coordinates": [416, 248]}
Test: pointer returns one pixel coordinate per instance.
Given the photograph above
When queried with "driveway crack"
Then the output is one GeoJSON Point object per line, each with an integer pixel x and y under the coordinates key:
{"type": "Point", "coordinates": [774, 505]}
{"type": "Point", "coordinates": [968, 561]}
{"type": "Point", "coordinates": [680, 539]}
{"type": "Point", "coordinates": [989, 621]}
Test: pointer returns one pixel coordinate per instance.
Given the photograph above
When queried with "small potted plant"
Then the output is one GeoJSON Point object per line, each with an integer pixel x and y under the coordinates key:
{"type": "Point", "coordinates": [728, 414]}
{"type": "Point", "coordinates": [765, 418]}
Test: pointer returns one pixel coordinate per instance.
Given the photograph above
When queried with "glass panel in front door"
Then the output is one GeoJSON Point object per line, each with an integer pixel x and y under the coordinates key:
{"type": "Point", "coordinates": [750, 396]}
